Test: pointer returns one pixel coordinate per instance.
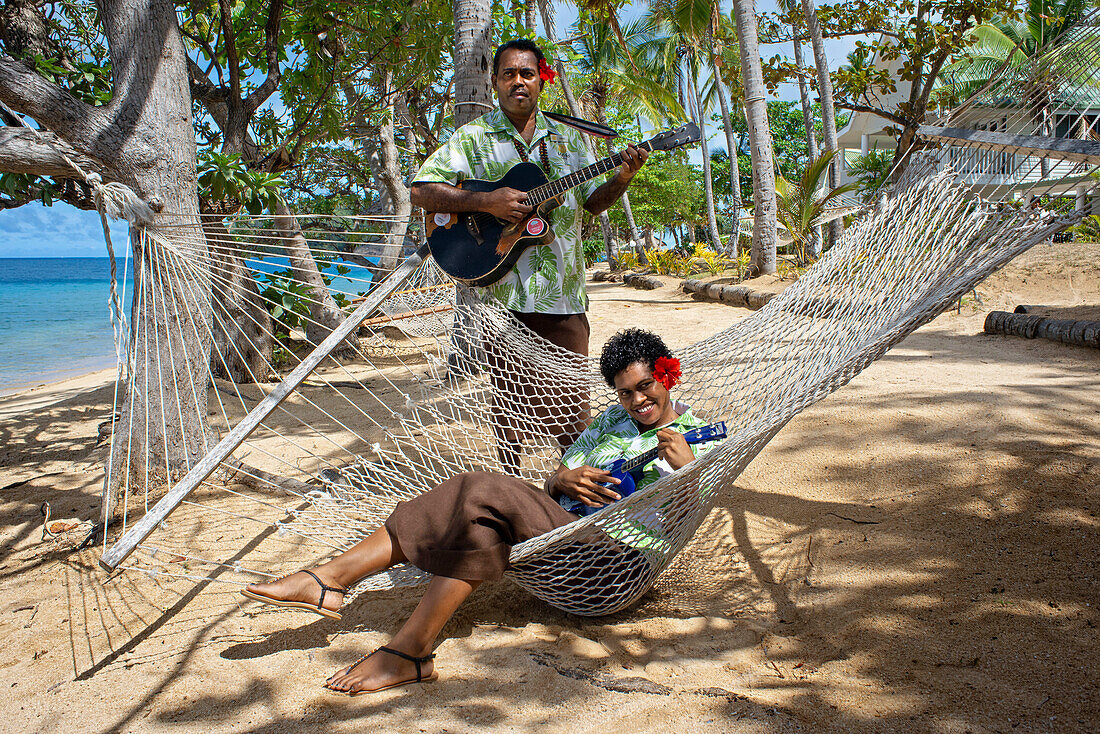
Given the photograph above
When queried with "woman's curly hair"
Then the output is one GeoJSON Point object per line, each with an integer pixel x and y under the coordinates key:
{"type": "Point", "coordinates": [627, 347]}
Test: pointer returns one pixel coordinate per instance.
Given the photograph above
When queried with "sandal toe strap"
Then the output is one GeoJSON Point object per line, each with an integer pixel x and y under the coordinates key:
{"type": "Point", "coordinates": [410, 658]}
{"type": "Point", "coordinates": [325, 588]}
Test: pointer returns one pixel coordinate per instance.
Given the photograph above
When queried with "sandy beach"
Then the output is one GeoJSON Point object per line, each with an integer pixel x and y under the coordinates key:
{"type": "Point", "coordinates": [919, 552]}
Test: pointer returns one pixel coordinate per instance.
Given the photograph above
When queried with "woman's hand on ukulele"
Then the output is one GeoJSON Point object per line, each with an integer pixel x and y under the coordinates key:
{"type": "Point", "coordinates": [507, 204]}
{"type": "Point", "coordinates": [672, 447]}
{"type": "Point", "coordinates": [584, 484]}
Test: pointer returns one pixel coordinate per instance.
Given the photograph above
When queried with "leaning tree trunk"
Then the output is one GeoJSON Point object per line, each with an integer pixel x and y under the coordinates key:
{"type": "Point", "coordinates": [392, 180]}
{"type": "Point", "coordinates": [547, 12]}
{"type": "Point", "coordinates": [735, 174]}
{"type": "Point", "coordinates": [243, 337]}
{"type": "Point", "coordinates": [324, 314]}
{"type": "Point", "coordinates": [635, 235]}
{"type": "Point", "coordinates": [473, 31]}
{"type": "Point", "coordinates": [760, 141]}
{"type": "Point", "coordinates": [828, 115]}
{"type": "Point", "coordinates": [808, 124]}
{"type": "Point", "coordinates": [708, 178]}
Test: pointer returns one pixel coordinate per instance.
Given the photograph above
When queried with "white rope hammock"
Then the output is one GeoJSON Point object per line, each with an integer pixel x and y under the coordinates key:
{"type": "Point", "coordinates": [326, 453]}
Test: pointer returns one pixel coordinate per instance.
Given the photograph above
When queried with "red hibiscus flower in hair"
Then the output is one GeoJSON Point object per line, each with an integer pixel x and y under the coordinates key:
{"type": "Point", "coordinates": [667, 371]}
{"type": "Point", "coordinates": [545, 72]}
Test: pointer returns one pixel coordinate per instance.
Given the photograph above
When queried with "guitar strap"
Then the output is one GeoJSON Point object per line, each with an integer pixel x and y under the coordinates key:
{"type": "Point", "coordinates": [543, 153]}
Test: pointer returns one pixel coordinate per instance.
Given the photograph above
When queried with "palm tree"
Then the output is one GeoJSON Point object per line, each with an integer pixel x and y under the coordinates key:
{"type": "Point", "coordinates": [801, 204]}
{"type": "Point", "coordinates": [760, 141]}
{"type": "Point", "coordinates": [680, 30]}
{"type": "Point", "coordinates": [825, 93]}
{"type": "Point", "coordinates": [787, 6]}
{"type": "Point", "coordinates": [728, 75]}
{"type": "Point", "coordinates": [546, 10]}
{"type": "Point", "coordinates": [473, 31]}
{"type": "Point", "coordinates": [608, 73]}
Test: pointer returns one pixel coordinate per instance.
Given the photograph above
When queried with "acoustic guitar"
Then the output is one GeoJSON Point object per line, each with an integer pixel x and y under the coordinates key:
{"type": "Point", "coordinates": [629, 471]}
{"type": "Point", "coordinates": [478, 249]}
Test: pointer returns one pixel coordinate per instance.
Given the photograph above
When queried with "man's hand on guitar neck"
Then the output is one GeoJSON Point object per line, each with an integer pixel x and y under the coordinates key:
{"type": "Point", "coordinates": [504, 203]}
{"type": "Point", "coordinates": [602, 198]}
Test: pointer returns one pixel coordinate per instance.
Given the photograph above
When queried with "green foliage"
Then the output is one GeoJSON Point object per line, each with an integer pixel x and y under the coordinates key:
{"type": "Point", "coordinates": [800, 204]}
{"type": "Point", "coordinates": [88, 81]}
{"type": "Point", "coordinates": [287, 299]}
{"type": "Point", "coordinates": [1088, 230]}
{"type": "Point", "coordinates": [667, 189]}
{"type": "Point", "coordinates": [871, 171]}
{"type": "Point", "coordinates": [224, 177]}
{"type": "Point", "coordinates": [593, 250]}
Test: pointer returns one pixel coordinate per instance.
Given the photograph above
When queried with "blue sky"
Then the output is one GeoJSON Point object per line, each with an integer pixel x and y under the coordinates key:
{"type": "Point", "coordinates": [62, 231]}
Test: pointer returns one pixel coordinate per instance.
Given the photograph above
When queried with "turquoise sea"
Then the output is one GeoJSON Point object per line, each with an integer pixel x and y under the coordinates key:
{"type": "Point", "coordinates": [54, 318]}
{"type": "Point", "coordinates": [54, 321]}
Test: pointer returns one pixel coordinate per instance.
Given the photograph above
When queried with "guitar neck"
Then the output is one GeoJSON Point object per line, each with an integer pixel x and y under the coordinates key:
{"type": "Point", "coordinates": [556, 188]}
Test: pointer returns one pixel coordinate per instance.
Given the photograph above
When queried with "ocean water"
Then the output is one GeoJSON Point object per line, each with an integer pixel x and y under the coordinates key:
{"type": "Point", "coordinates": [55, 322]}
{"type": "Point", "coordinates": [54, 319]}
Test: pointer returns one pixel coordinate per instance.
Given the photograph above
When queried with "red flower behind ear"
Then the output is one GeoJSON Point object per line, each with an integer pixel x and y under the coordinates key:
{"type": "Point", "coordinates": [667, 371]}
{"type": "Point", "coordinates": [545, 72]}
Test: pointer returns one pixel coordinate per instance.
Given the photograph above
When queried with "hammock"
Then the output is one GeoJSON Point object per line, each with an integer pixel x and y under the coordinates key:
{"type": "Point", "coordinates": [250, 478]}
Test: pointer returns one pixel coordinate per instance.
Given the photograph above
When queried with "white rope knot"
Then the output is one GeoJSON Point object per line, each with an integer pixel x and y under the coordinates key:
{"type": "Point", "coordinates": [119, 201]}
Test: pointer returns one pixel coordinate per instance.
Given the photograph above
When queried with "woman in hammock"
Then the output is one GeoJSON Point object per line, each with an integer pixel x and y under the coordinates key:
{"type": "Point", "coordinates": [462, 531]}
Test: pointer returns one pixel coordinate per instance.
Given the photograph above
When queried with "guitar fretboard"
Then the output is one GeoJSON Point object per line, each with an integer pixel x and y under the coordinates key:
{"type": "Point", "coordinates": [555, 188]}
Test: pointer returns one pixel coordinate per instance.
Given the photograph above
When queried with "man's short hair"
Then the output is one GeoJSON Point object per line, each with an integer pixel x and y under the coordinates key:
{"type": "Point", "coordinates": [520, 44]}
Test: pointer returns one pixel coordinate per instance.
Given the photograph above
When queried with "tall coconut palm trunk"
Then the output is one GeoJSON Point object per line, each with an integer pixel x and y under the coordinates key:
{"type": "Point", "coordinates": [828, 114]}
{"type": "Point", "coordinates": [547, 12]}
{"type": "Point", "coordinates": [760, 140]}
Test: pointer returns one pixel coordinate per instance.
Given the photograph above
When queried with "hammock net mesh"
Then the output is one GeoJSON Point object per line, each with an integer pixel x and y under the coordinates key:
{"type": "Point", "coordinates": [225, 308]}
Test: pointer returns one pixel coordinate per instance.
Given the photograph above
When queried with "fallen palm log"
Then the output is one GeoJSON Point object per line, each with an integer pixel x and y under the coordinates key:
{"type": "Point", "coordinates": [1067, 331]}
{"type": "Point", "coordinates": [734, 295]}
{"type": "Point", "coordinates": [645, 283]}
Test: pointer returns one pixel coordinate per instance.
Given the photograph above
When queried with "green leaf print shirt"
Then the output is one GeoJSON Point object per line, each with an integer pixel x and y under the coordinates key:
{"type": "Point", "coordinates": [614, 435]}
{"type": "Point", "coordinates": [547, 278]}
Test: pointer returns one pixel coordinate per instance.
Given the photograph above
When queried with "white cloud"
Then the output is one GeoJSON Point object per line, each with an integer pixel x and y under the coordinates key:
{"type": "Point", "coordinates": [57, 231]}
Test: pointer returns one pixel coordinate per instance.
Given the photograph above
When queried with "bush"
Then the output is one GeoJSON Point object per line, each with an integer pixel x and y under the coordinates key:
{"type": "Point", "coordinates": [1088, 230]}
{"type": "Point", "coordinates": [593, 251]}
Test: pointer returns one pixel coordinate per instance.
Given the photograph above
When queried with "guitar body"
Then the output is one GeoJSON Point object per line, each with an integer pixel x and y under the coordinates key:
{"type": "Point", "coordinates": [476, 248]}
{"type": "Point", "coordinates": [479, 249]}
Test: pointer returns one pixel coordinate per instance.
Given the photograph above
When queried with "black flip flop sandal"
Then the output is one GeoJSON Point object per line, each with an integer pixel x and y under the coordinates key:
{"type": "Point", "coordinates": [317, 609]}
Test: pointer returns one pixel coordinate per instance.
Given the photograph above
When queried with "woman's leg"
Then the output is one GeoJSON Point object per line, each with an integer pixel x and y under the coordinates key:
{"type": "Point", "coordinates": [375, 553]}
{"type": "Point", "coordinates": [416, 638]}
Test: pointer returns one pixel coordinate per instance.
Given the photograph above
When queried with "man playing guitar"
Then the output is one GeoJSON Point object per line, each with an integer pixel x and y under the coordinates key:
{"type": "Point", "coordinates": [546, 288]}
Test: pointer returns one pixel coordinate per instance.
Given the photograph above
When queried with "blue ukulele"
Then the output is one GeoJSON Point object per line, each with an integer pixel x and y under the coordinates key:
{"type": "Point", "coordinates": [629, 471]}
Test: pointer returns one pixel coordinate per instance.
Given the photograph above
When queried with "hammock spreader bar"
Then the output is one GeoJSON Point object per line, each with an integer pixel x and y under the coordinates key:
{"type": "Point", "coordinates": [1070, 149]}
{"type": "Point", "coordinates": [125, 545]}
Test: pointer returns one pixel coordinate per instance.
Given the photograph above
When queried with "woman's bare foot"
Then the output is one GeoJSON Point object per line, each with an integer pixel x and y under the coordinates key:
{"type": "Point", "coordinates": [308, 590]}
{"type": "Point", "coordinates": [382, 669]}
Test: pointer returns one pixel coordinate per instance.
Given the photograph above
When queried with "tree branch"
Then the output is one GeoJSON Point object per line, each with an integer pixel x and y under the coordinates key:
{"type": "Point", "coordinates": [232, 62]}
{"type": "Point", "coordinates": [881, 113]}
{"type": "Point", "coordinates": [51, 106]}
{"type": "Point", "coordinates": [22, 152]}
{"type": "Point", "coordinates": [271, 49]}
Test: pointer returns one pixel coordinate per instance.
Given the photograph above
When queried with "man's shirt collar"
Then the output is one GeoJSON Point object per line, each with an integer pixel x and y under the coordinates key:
{"type": "Point", "coordinates": [497, 121]}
